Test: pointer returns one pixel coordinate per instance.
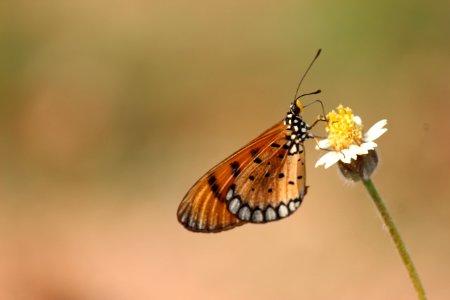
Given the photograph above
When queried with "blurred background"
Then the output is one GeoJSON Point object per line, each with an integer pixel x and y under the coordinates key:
{"type": "Point", "coordinates": [110, 111]}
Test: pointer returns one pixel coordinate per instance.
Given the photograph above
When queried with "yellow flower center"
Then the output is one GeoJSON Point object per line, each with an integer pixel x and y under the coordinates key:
{"type": "Point", "coordinates": [342, 129]}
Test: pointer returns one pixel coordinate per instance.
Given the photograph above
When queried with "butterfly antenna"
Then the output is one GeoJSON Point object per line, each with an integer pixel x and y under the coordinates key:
{"type": "Point", "coordinates": [306, 72]}
{"type": "Point", "coordinates": [306, 94]}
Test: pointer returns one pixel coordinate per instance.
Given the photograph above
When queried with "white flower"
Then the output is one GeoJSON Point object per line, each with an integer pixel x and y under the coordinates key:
{"type": "Point", "coordinates": [345, 139]}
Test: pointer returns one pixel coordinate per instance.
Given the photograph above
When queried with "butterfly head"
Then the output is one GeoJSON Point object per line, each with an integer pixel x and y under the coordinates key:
{"type": "Point", "coordinates": [297, 107]}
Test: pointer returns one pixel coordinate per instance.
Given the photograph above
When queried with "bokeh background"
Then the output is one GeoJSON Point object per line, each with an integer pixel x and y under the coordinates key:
{"type": "Point", "coordinates": [110, 111]}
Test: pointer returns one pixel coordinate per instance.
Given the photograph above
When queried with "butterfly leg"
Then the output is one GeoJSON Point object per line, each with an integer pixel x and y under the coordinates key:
{"type": "Point", "coordinates": [320, 118]}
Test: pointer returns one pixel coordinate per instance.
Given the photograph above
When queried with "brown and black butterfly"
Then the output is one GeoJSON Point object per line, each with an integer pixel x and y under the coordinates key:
{"type": "Point", "coordinates": [262, 182]}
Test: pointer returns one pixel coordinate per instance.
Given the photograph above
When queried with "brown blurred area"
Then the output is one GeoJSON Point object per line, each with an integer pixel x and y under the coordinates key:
{"type": "Point", "coordinates": [110, 111]}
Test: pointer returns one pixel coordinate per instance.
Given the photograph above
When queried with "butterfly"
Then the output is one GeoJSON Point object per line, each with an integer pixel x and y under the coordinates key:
{"type": "Point", "coordinates": [262, 182]}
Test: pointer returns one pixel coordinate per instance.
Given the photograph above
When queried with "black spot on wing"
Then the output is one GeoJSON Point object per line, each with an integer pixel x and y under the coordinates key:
{"type": "Point", "coordinates": [214, 186]}
{"type": "Point", "coordinates": [254, 152]}
{"type": "Point", "coordinates": [235, 168]}
{"type": "Point", "coordinates": [212, 179]}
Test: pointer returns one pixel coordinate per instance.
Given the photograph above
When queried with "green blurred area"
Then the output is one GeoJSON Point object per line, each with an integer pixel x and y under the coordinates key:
{"type": "Point", "coordinates": [112, 109]}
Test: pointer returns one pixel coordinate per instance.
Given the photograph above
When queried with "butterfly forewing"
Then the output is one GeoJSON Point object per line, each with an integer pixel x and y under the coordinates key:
{"type": "Point", "coordinates": [263, 181]}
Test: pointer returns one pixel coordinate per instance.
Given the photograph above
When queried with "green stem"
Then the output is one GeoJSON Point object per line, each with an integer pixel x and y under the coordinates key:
{"type": "Point", "coordinates": [395, 234]}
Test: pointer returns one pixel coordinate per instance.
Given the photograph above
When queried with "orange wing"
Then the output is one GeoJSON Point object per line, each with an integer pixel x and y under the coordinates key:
{"type": "Point", "coordinates": [204, 208]}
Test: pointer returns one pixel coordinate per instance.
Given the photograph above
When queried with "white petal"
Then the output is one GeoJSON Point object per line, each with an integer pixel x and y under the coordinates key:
{"type": "Point", "coordinates": [334, 158]}
{"type": "Point", "coordinates": [348, 155]}
{"type": "Point", "coordinates": [357, 120]}
{"type": "Point", "coordinates": [346, 159]}
{"type": "Point", "coordinates": [323, 159]}
{"type": "Point", "coordinates": [368, 146]}
{"type": "Point", "coordinates": [358, 150]}
{"type": "Point", "coordinates": [375, 131]}
{"type": "Point", "coordinates": [328, 159]}
{"type": "Point", "coordinates": [323, 144]}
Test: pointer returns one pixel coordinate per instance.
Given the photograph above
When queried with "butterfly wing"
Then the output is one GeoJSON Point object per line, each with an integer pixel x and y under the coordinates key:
{"type": "Point", "coordinates": [263, 181]}
{"type": "Point", "coordinates": [204, 207]}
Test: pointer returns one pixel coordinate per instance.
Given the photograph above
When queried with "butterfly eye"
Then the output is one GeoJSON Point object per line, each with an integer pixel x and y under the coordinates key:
{"type": "Point", "coordinates": [297, 107]}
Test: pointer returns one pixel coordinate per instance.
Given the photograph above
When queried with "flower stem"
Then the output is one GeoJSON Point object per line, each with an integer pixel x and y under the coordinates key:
{"type": "Point", "coordinates": [395, 235]}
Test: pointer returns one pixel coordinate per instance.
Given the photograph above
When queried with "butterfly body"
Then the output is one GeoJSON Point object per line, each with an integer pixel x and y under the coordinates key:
{"type": "Point", "coordinates": [262, 182]}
